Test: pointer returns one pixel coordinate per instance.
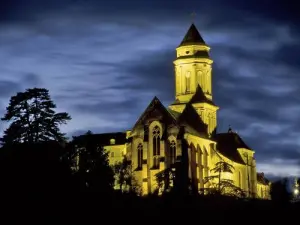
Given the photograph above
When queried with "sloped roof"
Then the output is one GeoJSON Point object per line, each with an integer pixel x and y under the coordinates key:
{"type": "Point", "coordinates": [199, 97]}
{"type": "Point", "coordinates": [190, 117]}
{"type": "Point", "coordinates": [153, 110]}
{"type": "Point", "coordinates": [102, 139]}
{"type": "Point", "coordinates": [262, 179]}
{"type": "Point", "coordinates": [197, 54]}
{"type": "Point", "coordinates": [192, 37]}
{"type": "Point", "coordinates": [174, 113]}
{"type": "Point", "coordinates": [227, 145]}
{"type": "Point", "coordinates": [190, 130]}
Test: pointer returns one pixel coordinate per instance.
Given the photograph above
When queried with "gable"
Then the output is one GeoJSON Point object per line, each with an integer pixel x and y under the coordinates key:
{"type": "Point", "coordinates": [155, 112]}
{"type": "Point", "coordinates": [261, 179]}
{"type": "Point", "coordinates": [199, 97]}
{"type": "Point", "coordinates": [228, 144]}
{"type": "Point", "coordinates": [190, 117]}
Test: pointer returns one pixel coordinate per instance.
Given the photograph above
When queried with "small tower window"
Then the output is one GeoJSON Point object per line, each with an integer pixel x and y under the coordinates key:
{"type": "Point", "coordinates": [112, 141]}
{"type": "Point", "coordinates": [199, 77]}
{"type": "Point", "coordinates": [188, 81]}
{"type": "Point", "coordinates": [187, 52]}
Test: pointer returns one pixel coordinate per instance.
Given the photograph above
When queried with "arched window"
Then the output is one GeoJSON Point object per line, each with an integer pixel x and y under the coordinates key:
{"type": "Point", "coordinates": [207, 84]}
{"type": "Point", "coordinates": [140, 156]}
{"type": "Point", "coordinates": [199, 77]}
{"type": "Point", "coordinates": [188, 81]}
{"type": "Point", "coordinates": [172, 153]}
{"type": "Point", "coordinates": [205, 162]}
{"type": "Point", "coordinates": [178, 82]}
{"type": "Point", "coordinates": [156, 146]}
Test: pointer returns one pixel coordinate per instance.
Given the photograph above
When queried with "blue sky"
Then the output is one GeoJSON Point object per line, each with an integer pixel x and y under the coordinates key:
{"type": "Point", "coordinates": [103, 62]}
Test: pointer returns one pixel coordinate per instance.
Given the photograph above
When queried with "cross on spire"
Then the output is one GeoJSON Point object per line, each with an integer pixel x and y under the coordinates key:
{"type": "Point", "coordinates": [193, 15]}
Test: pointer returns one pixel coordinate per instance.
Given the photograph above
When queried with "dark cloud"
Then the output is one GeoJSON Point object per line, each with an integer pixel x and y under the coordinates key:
{"type": "Point", "coordinates": [31, 80]}
{"type": "Point", "coordinates": [278, 10]}
{"type": "Point", "coordinates": [8, 87]}
{"type": "Point", "coordinates": [232, 13]}
{"type": "Point", "coordinates": [274, 178]}
{"type": "Point", "coordinates": [127, 106]}
{"type": "Point", "coordinates": [155, 73]}
{"type": "Point", "coordinates": [271, 150]}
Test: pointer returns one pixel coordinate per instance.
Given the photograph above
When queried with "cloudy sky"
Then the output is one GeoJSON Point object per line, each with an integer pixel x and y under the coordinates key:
{"type": "Point", "coordinates": [103, 62]}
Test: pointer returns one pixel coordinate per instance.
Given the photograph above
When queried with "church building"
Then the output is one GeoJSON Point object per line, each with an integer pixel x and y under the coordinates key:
{"type": "Point", "coordinates": [162, 135]}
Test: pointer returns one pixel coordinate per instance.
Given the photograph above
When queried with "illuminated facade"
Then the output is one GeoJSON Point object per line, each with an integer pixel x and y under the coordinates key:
{"type": "Point", "coordinates": [161, 134]}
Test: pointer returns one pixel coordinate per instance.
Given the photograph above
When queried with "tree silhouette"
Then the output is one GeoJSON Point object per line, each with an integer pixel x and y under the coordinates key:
{"type": "Point", "coordinates": [34, 169]}
{"type": "Point", "coordinates": [125, 178]}
{"type": "Point", "coordinates": [279, 192]}
{"type": "Point", "coordinates": [181, 181]}
{"type": "Point", "coordinates": [33, 118]}
{"type": "Point", "coordinates": [94, 172]}
{"type": "Point", "coordinates": [165, 180]}
{"type": "Point", "coordinates": [222, 186]}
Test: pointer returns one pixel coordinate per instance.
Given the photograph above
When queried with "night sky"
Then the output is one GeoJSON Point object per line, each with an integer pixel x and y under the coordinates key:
{"type": "Point", "coordinates": [104, 61]}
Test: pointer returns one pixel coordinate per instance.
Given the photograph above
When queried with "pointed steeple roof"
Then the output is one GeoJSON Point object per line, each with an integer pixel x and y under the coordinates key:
{"type": "Point", "coordinates": [200, 97]}
{"type": "Point", "coordinates": [190, 117]}
{"type": "Point", "coordinates": [192, 37]}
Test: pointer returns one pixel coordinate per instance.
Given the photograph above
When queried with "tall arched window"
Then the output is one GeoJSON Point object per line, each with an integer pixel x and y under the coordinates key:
{"type": "Point", "coordinates": [205, 163]}
{"type": "Point", "coordinates": [156, 146]}
{"type": "Point", "coordinates": [207, 82]}
{"type": "Point", "coordinates": [178, 82]}
{"type": "Point", "coordinates": [172, 153]}
{"type": "Point", "coordinates": [188, 81]}
{"type": "Point", "coordinates": [199, 77]}
{"type": "Point", "coordinates": [140, 156]}
{"type": "Point", "coordinates": [203, 82]}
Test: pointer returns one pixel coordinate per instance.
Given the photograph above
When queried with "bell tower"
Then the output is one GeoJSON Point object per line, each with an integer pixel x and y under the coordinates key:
{"type": "Point", "coordinates": [193, 78]}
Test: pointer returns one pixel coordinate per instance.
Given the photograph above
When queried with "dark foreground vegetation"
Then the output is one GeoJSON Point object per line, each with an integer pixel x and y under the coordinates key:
{"type": "Point", "coordinates": [91, 208]}
{"type": "Point", "coordinates": [44, 179]}
{"type": "Point", "coordinates": [38, 186]}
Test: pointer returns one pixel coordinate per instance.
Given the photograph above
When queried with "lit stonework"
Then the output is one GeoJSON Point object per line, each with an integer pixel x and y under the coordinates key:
{"type": "Point", "coordinates": [160, 136]}
{"type": "Point", "coordinates": [193, 78]}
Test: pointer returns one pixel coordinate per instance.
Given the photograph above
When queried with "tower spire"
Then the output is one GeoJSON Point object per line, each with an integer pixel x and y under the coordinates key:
{"type": "Point", "coordinates": [192, 37]}
{"type": "Point", "coordinates": [193, 83]}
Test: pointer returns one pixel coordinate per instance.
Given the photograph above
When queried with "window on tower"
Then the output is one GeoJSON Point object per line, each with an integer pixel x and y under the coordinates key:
{"type": "Point", "coordinates": [178, 82]}
{"type": "Point", "coordinates": [199, 77]}
{"type": "Point", "coordinates": [156, 147]}
{"type": "Point", "coordinates": [188, 81]}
